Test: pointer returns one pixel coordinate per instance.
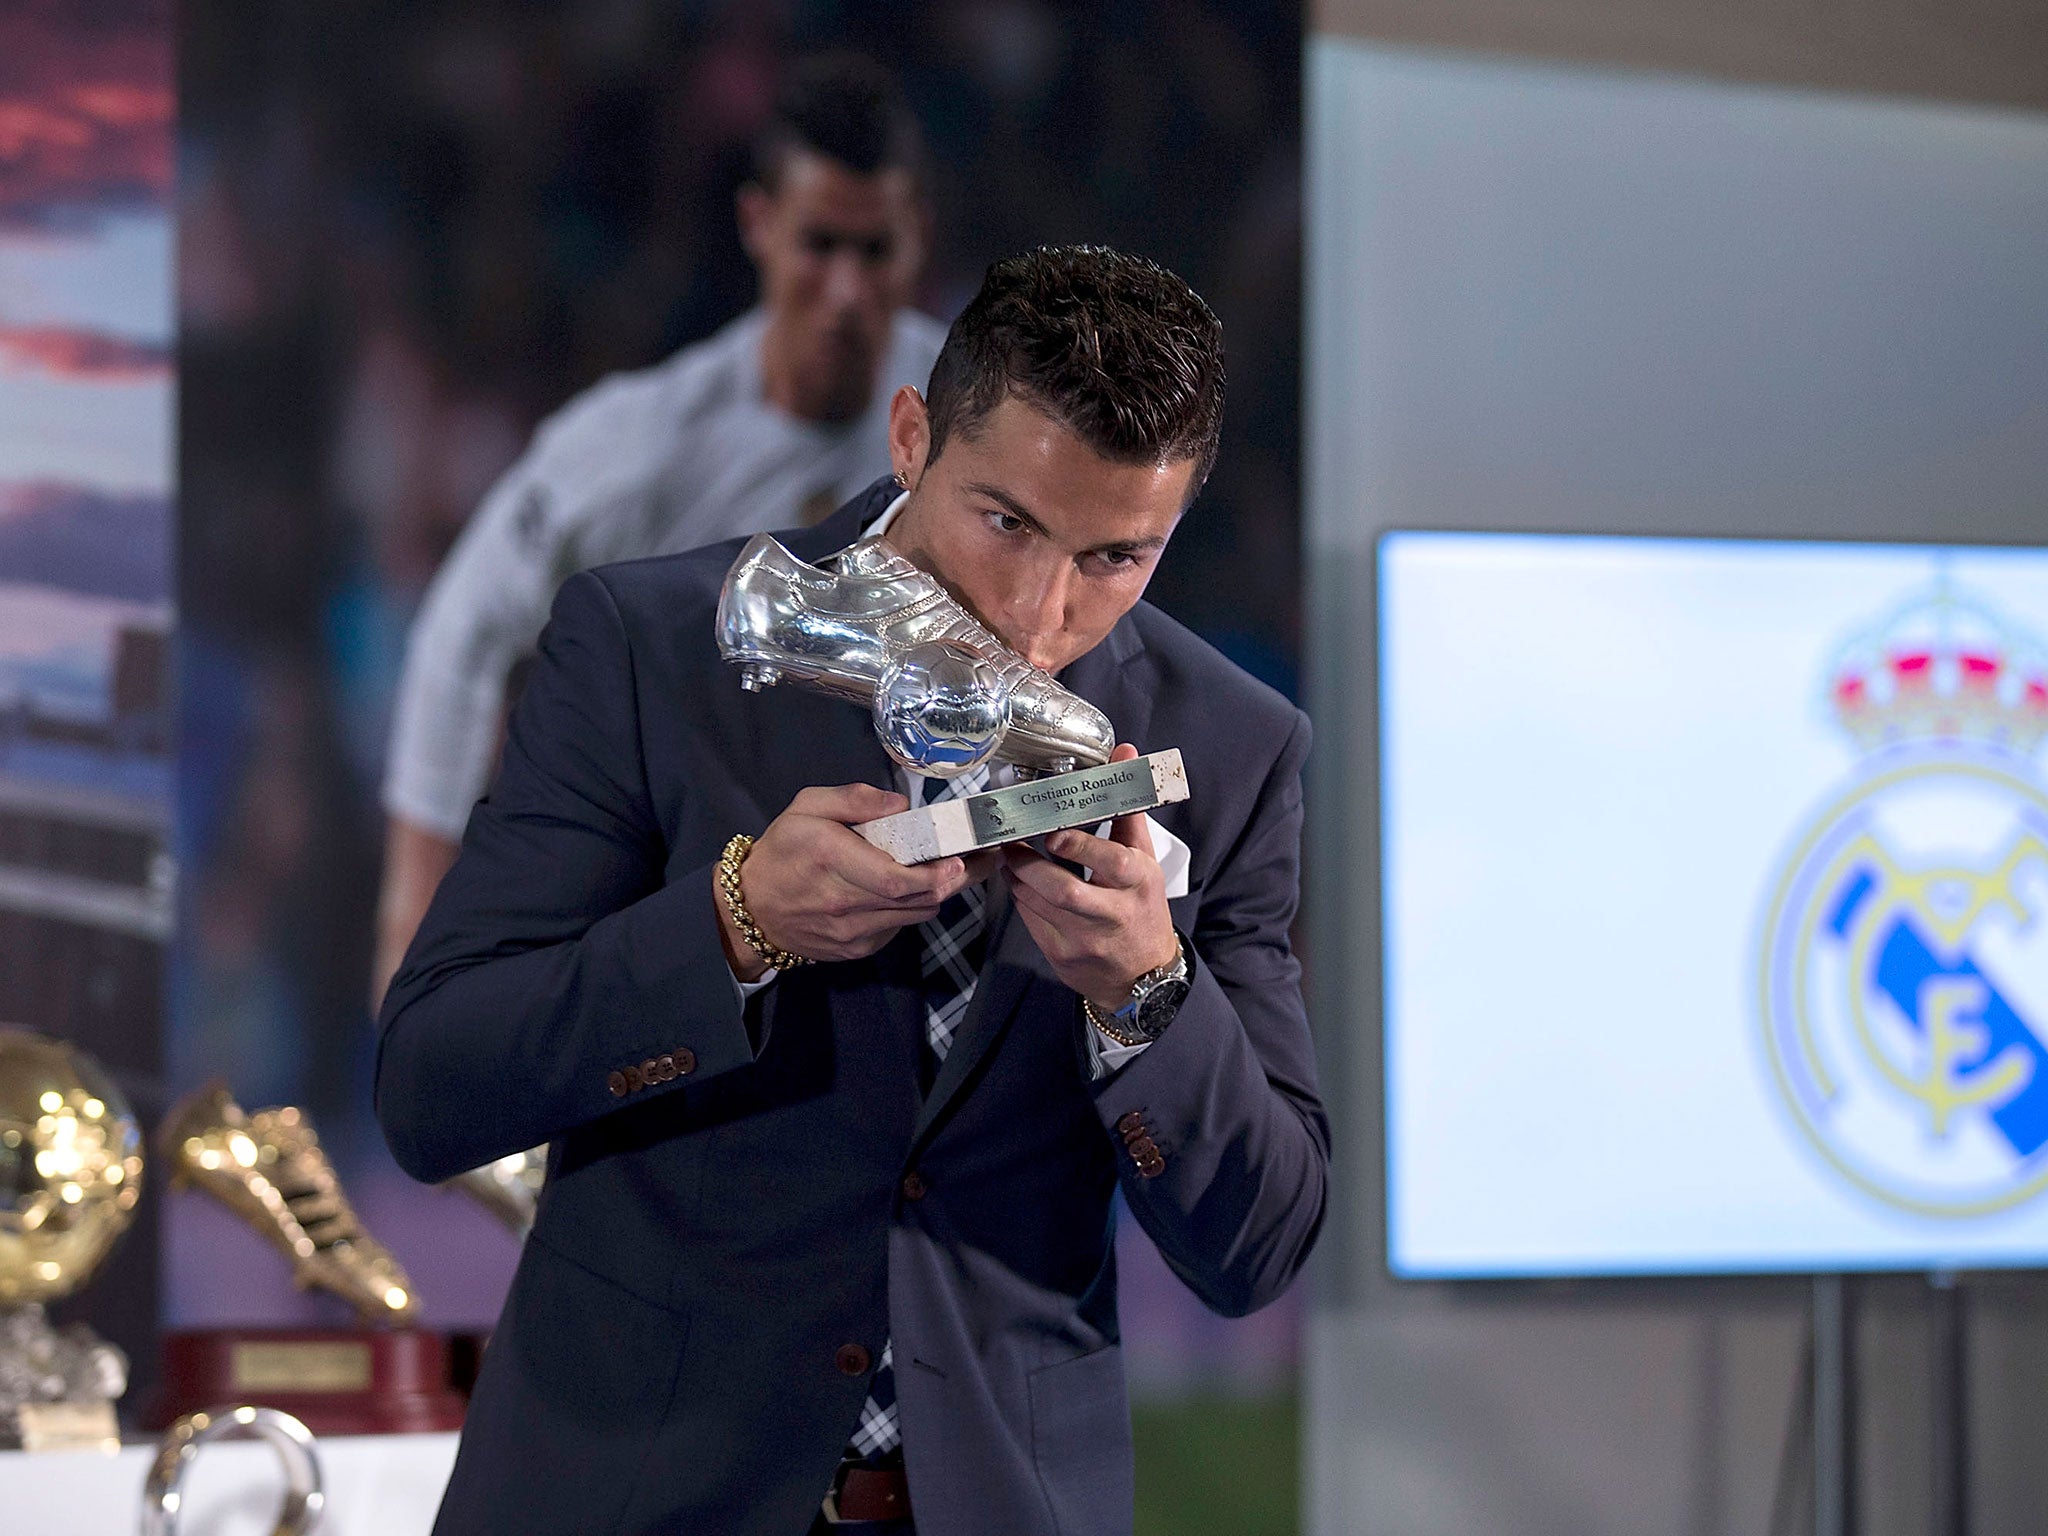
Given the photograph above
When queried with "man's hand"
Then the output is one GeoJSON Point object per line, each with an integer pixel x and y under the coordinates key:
{"type": "Point", "coordinates": [817, 888]}
{"type": "Point", "coordinates": [1100, 934]}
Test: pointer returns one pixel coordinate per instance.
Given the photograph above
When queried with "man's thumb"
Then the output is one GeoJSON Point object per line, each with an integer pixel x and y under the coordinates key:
{"type": "Point", "coordinates": [848, 803]}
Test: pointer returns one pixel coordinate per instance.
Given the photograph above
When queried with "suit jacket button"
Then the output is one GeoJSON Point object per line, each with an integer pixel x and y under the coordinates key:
{"type": "Point", "coordinates": [1144, 1149]}
{"type": "Point", "coordinates": [685, 1059]}
{"type": "Point", "coordinates": [634, 1081]}
{"type": "Point", "coordinates": [618, 1085]}
{"type": "Point", "coordinates": [666, 1066]}
{"type": "Point", "coordinates": [914, 1186]}
{"type": "Point", "coordinates": [1153, 1168]}
{"type": "Point", "coordinates": [1132, 1121]}
{"type": "Point", "coordinates": [852, 1360]}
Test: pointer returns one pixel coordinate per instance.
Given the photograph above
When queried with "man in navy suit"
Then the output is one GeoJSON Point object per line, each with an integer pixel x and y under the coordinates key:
{"type": "Point", "coordinates": [798, 1239]}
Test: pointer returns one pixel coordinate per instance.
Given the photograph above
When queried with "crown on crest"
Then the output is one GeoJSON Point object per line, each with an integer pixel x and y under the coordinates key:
{"type": "Point", "coordinates": [1942, 667]}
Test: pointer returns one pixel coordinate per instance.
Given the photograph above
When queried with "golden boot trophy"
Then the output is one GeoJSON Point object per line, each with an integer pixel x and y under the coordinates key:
{"type": "Point", "coordinates": [268, 1168]}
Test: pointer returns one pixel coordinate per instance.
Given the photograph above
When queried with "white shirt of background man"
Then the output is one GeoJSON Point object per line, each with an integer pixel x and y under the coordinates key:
{"type": "Point", "coordinates": [668, 458]}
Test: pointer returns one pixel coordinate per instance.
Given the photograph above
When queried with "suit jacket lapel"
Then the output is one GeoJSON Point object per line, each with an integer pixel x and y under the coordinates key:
{"type": "Point", "coordinates": [1116, 677]}
{"type": "Point", "coordinates": [842, 527]}
{"type": "Point", "coordinates": [797, 738]}
{"type": "Point", "coordinates": [792, 739]}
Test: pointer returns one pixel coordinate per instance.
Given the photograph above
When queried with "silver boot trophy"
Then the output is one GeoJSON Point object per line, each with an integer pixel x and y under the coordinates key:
{"type": "Point", "coordinates": [878, 631]}
{"type": "Point", "coordinates": [946, 696]}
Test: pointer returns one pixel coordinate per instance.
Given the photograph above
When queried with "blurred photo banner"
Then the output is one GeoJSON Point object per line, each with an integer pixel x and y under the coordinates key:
{"type": "Point", "coordinates": [86, 604]}
{"type": "Point", "coordinates": [85, 521]}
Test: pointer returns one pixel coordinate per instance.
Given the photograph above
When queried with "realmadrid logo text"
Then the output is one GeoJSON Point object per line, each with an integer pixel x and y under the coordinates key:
{"type": "Point", "coordinates": [1903, 974]}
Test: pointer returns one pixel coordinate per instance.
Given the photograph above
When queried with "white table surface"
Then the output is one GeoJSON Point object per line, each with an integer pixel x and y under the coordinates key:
{"type": "Point", "coordinates": [376, 1485]}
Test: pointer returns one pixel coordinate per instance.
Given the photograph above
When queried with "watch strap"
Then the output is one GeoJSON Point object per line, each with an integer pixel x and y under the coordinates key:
{"type": "Point", "coordinates": [1111, 1026]}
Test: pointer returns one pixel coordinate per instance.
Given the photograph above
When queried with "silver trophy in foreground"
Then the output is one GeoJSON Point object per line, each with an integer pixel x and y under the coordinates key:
{"type": "Point", "coordinates": [946, 696]}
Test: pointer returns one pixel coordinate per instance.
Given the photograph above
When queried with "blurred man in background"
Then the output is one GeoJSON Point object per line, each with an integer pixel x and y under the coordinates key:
{"type": "Point", "coordinates": [778, 418]}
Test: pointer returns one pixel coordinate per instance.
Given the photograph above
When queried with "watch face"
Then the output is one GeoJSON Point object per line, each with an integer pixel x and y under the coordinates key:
{"type": "Point", "coordinates": [1157, 1008]}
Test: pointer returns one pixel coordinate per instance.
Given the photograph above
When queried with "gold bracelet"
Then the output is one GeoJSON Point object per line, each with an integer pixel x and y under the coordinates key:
{"type": "Point", "coordinates": [729, 882]}
{"type": "Point", "coordinates": [1107, 1024]}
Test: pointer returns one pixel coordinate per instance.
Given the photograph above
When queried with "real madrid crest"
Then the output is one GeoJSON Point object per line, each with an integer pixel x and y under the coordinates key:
{"type": "Point", "coordinates": [1903, 965]}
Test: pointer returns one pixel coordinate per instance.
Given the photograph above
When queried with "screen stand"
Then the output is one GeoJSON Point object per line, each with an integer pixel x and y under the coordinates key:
{"type": "Point", "coordinates": [1834, 1408]}
{"type": "Point", "coordinates": [1950, 1429]}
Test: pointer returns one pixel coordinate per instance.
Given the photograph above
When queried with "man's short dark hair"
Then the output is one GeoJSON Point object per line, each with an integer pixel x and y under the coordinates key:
{"type": "Point", "coordinates": [1114, 347]}
{"type": "Point", "coordinates": [847, 108]}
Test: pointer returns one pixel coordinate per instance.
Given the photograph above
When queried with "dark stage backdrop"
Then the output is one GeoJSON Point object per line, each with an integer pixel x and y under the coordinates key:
{"type": "Point", "coordinates": [409, 231]}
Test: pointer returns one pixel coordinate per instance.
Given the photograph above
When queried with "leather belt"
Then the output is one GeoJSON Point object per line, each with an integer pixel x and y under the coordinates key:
{"type": "Point", "coordinates": [868, 1494]}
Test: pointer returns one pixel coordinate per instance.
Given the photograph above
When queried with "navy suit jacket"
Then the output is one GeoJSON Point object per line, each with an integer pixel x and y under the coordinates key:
{"type": "Point", "coordinates": [673, 1354]}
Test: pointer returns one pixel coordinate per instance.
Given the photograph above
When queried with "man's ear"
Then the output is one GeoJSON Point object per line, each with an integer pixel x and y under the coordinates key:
{"type": "Point", "coordinates": [910, 435]}
{"type": "Point", "coordinates": [753, 207]}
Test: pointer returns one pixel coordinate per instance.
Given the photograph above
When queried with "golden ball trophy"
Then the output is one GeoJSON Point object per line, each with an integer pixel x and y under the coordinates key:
{"type": "Point", "coordinates": [70, 1177]}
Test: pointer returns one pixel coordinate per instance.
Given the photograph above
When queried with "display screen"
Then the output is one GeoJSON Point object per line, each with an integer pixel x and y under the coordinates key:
{"type": "Point", "coordinates": [1715, 905]}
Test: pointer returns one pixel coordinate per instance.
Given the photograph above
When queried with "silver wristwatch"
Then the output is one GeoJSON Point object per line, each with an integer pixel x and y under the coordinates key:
{"type": "Point", "coordinates": [1155, 998]}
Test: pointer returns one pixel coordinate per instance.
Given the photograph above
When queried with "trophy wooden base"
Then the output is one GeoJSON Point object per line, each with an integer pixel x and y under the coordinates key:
{"type": "Point", "coordinates": [1030, 809]}
{"type": "Point", "coordinates": [337, 1381]}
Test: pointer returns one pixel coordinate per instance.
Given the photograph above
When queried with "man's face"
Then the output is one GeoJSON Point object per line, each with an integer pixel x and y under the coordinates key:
{"type": "Point", "coordinates": [839, 253]}
{"type": "Point", "coordinates": [1039, 536]}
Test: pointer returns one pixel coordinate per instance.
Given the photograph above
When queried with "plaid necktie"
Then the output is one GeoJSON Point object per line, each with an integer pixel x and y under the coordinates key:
{"type": "Point", "coordinates": [951, 944]}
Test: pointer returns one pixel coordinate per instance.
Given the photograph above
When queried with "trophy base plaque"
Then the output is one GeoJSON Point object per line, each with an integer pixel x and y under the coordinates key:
{"type": "Point", "coordinates": [37, 1427]}
{"type": "Point", "coordinates": [1030, 809]}
{"type": "Point", "coordinates": [337, 1381]}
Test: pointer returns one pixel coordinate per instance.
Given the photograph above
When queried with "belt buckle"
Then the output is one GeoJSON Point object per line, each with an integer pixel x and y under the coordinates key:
{"type": "Point", "coordinates": [828, 1508]}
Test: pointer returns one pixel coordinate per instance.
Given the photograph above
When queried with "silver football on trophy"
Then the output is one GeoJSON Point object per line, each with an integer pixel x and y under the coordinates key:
{"type": "Point", "coordinates": [940, 709]}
